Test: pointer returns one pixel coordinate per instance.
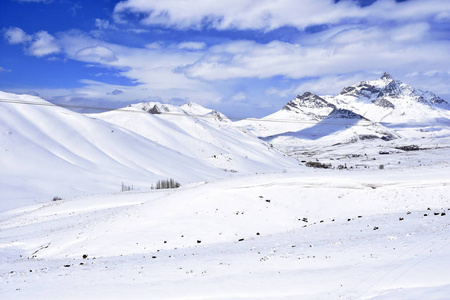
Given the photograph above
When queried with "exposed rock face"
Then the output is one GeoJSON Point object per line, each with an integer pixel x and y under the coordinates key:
{"type": "Point", "coordinates": [308, 100]}
{"type": "Point", "coordinates": [339, 113]}
{"type": "Point", "coordinates": [384, 103]}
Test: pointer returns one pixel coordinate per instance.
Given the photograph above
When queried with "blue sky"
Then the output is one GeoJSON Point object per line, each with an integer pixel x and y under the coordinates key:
{"type": "Point", "coordinates": [245, 58]}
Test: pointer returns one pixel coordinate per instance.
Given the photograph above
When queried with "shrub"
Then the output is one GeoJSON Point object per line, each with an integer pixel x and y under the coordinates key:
{"type": "Point", "coordinates": [166, 184]}
{"type": "Point", "coordinates": [56, 198]}
{"type": "Point", "coordinates": [316, 164]}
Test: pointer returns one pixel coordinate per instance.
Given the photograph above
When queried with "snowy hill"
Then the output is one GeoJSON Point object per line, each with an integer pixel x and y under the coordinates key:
{"type": "Point", "coordinates": [200, 133]}
{"type": "Point", "coordinates": [50, 151]}
{"type": "Point", "coordinates": [360, 235]}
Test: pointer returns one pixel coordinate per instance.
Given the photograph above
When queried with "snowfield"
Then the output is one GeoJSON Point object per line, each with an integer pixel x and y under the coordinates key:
{"type": "Point", "coordinates": [251, 220]}
{"type": "Point", "coordinates": [318, 234]}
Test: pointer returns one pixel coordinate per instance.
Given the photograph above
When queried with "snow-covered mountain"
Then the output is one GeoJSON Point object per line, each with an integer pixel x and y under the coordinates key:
{"type": "Point", "coordinates": [390, 101]}
{"type": "Point", "coordinates": [189, 108]}
{"type": "Point", "coordinates": [302, 112]}
{"type": "Point", "coordinates": [51, 151]}
{"type": "Point", "coordinates": [384, 109]}
{"type": "Point", "coordinates": [199, 133]}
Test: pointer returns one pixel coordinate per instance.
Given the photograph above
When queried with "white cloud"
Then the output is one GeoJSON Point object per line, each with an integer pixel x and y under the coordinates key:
{"type": "Point", "coordinates": [4, 70]}
{"type": "Point", "coordinates": [334, 83]}
{"type": "Point", "coordinates": [96, 54]}
{"type": "Point", "coordinates": [239, 97]}
{"type": "Point", "coordinates": [443, 17]}
{"type": "Point", "coordinates": [43, 44]}
{"type": "Point", "coordinates": [39, 44]}
{"type": "Point", "coordinates": [15, 35]}
{"type": "Point", "coordinates": [241, 14]}
{"type": "Point", "coordinates": [341, 55]}
{"type": "Point", "coordinates": [104, 24]}
{"type": "Point", "coordinates": [411, 32]}
{"type": "Point", "coordinates": [154, 45]}
{"type": "Point", "coordinates": [272, 14]}
{"type": "Point", "coordinates": [191, 46]}
{"type": "Point", "coordinates": [349, 51]}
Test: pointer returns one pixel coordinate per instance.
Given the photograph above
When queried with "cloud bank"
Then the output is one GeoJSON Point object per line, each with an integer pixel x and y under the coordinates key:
{"type": "Point", "coordinates": [253, 62]}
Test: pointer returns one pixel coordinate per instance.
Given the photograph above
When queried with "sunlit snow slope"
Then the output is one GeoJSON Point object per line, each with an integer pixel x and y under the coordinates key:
{"type": "Point", "coordinates": [50, 151]}
{"type": "Point", "coordinates": [377, 234]}
{"type": "Point", "coordinates": [200, 133]}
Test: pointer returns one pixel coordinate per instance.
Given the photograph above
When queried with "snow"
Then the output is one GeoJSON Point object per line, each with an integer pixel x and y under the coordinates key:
{"type": "Point", "coordinates": [49, 151]}
{"type": "Point", "coordinates": [212, 141]}
{"type": "Point", "coordinates": [254, 243]}
{"type": "Point", "coordinates": [248, 222]}
{"type": "Point", "coordinates": [392, 115]}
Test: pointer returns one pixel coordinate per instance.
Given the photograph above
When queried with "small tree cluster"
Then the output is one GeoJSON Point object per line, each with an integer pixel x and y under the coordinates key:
{"type": "Point", "coordinates": [166, 184]}
{"type": "Point", "coordinates": [316, 164]}
{"type": "Point", "coordinates": [126, 188]}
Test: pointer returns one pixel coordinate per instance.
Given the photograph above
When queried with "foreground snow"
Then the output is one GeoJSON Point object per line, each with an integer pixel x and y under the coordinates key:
{"type": "Point", "coordinates": [242, 238]}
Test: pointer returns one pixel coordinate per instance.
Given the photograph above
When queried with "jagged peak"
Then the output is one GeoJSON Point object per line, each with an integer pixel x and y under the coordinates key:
{"type": "Point", "coordinates": [307, 94]}
{"type": "Point", "coordinates": [308, 99]}
{"type": "Point", "coordinates": [386, 76]}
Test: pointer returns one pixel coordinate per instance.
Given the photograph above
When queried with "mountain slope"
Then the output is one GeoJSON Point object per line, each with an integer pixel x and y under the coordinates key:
{"type": "Point", "coordinates": [50, 151]}
{"type": "Point", "coordinates": [340, 126]}
{"type": "Point", "coordinates": [200, 133]}
{"type": "Point", "coordinates": [302, 112]}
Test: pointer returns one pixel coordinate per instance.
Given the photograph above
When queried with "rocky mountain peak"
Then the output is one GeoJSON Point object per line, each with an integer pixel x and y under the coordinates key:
{"type": "Point", "coordinates": [386, 85]}
{"type": "Point", "coordinates": [386, 76]}
{"type": "Point", "coordinates": [307, 100]}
